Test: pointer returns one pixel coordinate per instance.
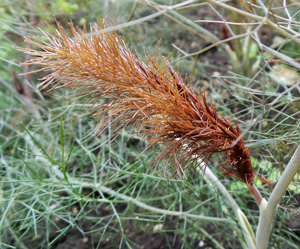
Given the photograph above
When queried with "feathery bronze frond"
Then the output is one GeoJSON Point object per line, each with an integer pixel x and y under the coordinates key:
{"type": "Point", "coordinates": [152, 98]}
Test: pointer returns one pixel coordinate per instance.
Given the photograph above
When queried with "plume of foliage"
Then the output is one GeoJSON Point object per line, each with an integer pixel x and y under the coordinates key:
{"type": "Point", "coordinates": [153, 99]}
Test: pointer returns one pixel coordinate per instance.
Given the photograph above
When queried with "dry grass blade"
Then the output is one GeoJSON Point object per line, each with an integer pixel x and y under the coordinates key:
{"type": "Point", "coordinates": [152, 98]}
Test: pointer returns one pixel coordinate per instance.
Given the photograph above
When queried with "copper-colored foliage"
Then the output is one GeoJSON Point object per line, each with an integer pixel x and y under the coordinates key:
{"type": "Point", "coordinates": [152, 98]}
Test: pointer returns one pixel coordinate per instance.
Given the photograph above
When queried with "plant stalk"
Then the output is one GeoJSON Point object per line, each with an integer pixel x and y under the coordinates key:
{"type": "Point", "coordinates": [267, 209]}
{"type": "Point", "coordinates": [256, 194]}
{"type": "Point", "coordinates": [242, 219]}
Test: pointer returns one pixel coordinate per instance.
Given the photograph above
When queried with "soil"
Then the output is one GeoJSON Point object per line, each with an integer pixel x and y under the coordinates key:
{"type": "Point", "coordinates": [145, 236]}
{"type": "Point", "coordinates": [142, 237]}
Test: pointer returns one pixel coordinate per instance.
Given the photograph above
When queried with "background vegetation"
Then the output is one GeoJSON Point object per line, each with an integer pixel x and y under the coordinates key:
{"type": "Point", "coordinates": [61, 187]}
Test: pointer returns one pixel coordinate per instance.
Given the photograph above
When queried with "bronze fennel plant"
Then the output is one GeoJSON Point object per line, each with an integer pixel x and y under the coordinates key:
{"type": "Point", "coordinates": [154, 99]}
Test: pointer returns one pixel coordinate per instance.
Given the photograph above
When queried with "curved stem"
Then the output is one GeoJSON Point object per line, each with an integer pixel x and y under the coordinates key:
{"type": "Point", "coordinates": [210, 175]}
{"type": "Point", "coordinates": [267, 211]}
{"type": "Point", "coordinates": [138, 203]}
{"type": "Point", "coordinates": [242, 219]}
